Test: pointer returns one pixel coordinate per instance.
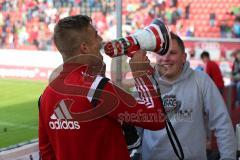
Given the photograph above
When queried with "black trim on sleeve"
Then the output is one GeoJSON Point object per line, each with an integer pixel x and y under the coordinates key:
{"type": "Point", "coordinates": [98, 91]}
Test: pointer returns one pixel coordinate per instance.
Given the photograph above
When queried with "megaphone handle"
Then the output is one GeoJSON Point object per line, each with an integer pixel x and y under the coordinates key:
{"type": "Point", "coordinates": [133, 46]}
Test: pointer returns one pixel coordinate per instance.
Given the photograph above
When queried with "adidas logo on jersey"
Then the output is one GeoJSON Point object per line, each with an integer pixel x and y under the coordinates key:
{"type": "Point", "coordinates": [62, 119]}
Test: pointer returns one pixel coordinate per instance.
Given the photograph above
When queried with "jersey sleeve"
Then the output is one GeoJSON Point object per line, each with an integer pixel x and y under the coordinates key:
{"type": "Point", "coordinates": [146, 111]}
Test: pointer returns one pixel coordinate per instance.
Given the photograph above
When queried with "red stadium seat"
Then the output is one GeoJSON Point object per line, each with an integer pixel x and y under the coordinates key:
{"type": "Point", "coordinates": [197, 34]}
{"type": "Point", "coordinates": [206, 28]}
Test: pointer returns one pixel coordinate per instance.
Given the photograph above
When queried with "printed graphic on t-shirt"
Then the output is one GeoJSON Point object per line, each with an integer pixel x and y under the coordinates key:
{"type": "Point", "coordinates": [175, 110]}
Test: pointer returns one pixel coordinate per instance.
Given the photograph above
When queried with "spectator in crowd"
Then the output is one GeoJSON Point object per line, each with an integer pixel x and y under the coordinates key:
{"type": "Point", "coordinates": [236, 74]}
{"type": "Point", "coordinates": [193, 103]}
{"type": "Point", "coordinates": [212, 19]}
{"type": "Point", "coordinates": [213, 70]}
{"type": "Point", "coordinates": [225, 29]}
{"type": "Point", "coordinates": [175, 16]}
{"type": "Point", "coordinates": [235, 10]}
{"type": "Point", "coordinates": [168, 15]}
{"type": "Point", "coordinates": [236, 27]}
{"type": "Point", "coordinates": [194, 62]}
{"type": "Point", "coordinates": [149, 18]}
{"type": "Point", "coordinates": [173, 3]}
{"type": "Point", "coordinates": [187, 10]}
{"type": "Point", "coordinates": [190, 31]}
{"type": "Point", "coordinates": [81, 104]}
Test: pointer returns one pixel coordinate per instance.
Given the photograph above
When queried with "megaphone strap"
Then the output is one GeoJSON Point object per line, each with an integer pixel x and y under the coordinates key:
{"type": "Point", "coordinates": [170, 129]}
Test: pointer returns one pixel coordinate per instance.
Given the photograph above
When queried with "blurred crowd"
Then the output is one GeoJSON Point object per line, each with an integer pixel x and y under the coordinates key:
{"type": "Point", "coordinates": [29, 24]}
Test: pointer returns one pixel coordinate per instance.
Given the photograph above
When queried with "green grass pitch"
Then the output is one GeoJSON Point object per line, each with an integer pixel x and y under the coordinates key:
{"type": "Point", "coordinates": [19, 110]}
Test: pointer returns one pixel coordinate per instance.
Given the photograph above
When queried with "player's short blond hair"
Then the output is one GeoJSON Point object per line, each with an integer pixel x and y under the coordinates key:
{"type": "Point", "coordinates": [69, 32]}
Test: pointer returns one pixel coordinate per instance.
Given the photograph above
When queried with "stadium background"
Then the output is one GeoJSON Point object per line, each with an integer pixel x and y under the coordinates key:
{"type": "Point", "coordinates": [28, 55]}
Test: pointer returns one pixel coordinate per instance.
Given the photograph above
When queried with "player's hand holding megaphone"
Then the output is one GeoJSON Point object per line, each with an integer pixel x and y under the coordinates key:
{"type": "Point", "coordinates": [155, 37]}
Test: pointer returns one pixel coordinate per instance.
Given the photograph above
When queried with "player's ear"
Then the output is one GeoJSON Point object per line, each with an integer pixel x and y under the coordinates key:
{"type": "Point", "coordinates": [83, 48]}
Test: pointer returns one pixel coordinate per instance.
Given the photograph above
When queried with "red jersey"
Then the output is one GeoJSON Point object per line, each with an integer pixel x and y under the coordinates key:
{"type": "Point", "coordinates": [80, 116]}
{"type": "Point", "coordinates": [214, 72]}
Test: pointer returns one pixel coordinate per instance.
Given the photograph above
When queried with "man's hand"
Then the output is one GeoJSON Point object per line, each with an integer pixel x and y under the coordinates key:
{"type": "Point", "coordinates": [139, 63]}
